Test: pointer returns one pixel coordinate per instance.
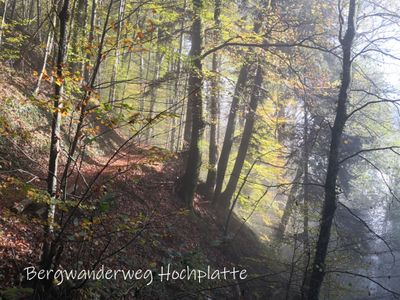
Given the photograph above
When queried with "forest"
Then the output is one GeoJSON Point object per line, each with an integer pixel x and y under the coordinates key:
{"type": "Point", "coordinates": [200, 149]}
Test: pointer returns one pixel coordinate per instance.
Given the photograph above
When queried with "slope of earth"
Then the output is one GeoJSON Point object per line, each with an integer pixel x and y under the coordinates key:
{"type": "Point", "coordinates": [130, 220]}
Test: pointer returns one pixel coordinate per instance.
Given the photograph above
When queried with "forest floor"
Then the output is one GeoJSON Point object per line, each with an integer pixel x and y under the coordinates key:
{"type": "Point", "coordinates": [133, 218]}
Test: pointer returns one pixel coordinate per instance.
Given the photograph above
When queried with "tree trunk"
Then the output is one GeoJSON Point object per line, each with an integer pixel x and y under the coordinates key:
{"type": "Point", "coordinates": [191, 175]}
{"type": "Point", "coordinates": [49, 46]}
{"type": "Point", "coordinates": [116, 62]}
{"type": "Point", "coordinates": [230, 127]}
{"type": "Point", "coordinates": [187, 131]}
{"type": "Point", "coordinates": [38, 11]}
{"type": "Point", "coordinates": [3, 20]}
{"type": "Point", "coordinates": [14, 4]}
{"type": "Point", "coordinates": [181, 118]}
{"type": "Point", "coordinates": [57, 106]}
{"type": "Point", "coordinates": [141, 66]}
{"type": "Point", "coordinates": [31, 9]}
{"type": "Point", "coordinates": [306, 198]}
{"type": "Point", "coordinates": [177, 81]}
{"type": "Point", "coordinates": [79, 20]}
{"type": "Point", "coordinates": [86, 73]}
{"type": "Point", "coordinates": [52, 177]}
{"type": "Point", "coordinates": [289, 205]}
{"type": "Point", "coordinates": [328, 211]}
{"type": "Point", "coordinates": [213, 150]}
{"type": "Point", "coordinates": [153, 94]}
{"type": "Point", "coordinates": [223, 203]}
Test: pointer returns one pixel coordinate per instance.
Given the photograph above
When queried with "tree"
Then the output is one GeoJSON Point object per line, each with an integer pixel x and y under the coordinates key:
{"type": "Point", "coordinates": [55, 140]}
{"type": "Point", "coordinates": [330, 200]}
{"type": "Point", "coordinates": [214, 104]}
{"type": "Point", "coordinates": [256, 95]}
{"type": "Point", "coordinates": [47, 52]}
{"type": "Point", "coordinates": [229, 132]}
{"type": "Point", "coordinates": [3, 20]}
{"type": "Point", "coordinates": [114, 75]}
{"type": "Point", "coordinates": [232, 117]}
{"type": "Point", "coordinates": [192, 170]}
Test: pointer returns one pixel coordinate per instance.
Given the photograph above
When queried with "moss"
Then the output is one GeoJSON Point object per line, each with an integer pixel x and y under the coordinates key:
{"type": "Point", "coordinates": [16, 293]}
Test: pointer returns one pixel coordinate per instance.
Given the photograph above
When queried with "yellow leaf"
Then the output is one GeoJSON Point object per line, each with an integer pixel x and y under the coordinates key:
{"type": "Point", "coordinates": [58, 81]}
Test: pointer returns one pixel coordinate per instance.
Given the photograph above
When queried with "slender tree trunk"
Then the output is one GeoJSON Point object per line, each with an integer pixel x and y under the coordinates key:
{"type": "Point", "coordinates": [177, 81]}
{"type": "Point", "coordinates": [191, 175]}
{"type": "Point", "coordinates": [38, 14]}
{"type": "Point", "coordinates": [187, 131]}
{"type": "Point", "coordinates": [153, 94]}
{"type": "Point", "coordinates": [127, 57]}
{"type": "Point", "coordinates": [79, 20]}
{"type": "Point", "coordinates": [49, 46]}
{"type": "Point", "coordinates": [31, 9]}
{"type": "Point", "coordinates": [84, 33]}
{"type": "Point", "coordinates": [145, 86]}
{"type": "Point", "coordinates": [86, 73]}
{"type": "Point", "coordinates": [114, 75]}
{"type": "Point", "coordinates": [223, 203]}
{"type": "Point", "coordinates": [306, 198]}
{"type": "Point", "coordinates": [213, 149]}
{"type": "Point", "coordinates": [181, 118]}
{"type": "Point", "coordinates": [14, 4]}
{"type": "Point", "coordinates": [141, 66]}
{"type": "Point", "coordinates": [56, 121]}
{"type": "Point", "coordinates": [49, 250]}
{"type": "Point", "coordinates": [329, 207]}
{"type": "Point", "coordinates": [289, 205]}
{"type": "Point", "coordinates": [23, 9]}
{"type": "Point", "coordinates": [3, 21]}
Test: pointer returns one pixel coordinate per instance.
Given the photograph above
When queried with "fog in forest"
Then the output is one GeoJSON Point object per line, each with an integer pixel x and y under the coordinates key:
{"type": "Point", "coordinates": [200, 149]}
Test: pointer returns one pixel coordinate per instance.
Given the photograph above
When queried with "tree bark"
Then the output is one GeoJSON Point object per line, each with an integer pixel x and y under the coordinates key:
{"type": "Point", "coordinates": [191, 175]}
{"type": "Point", "coordinates": [329, 207]}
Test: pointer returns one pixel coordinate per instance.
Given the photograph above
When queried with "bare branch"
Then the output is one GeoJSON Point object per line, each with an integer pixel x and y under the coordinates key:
{"type": "Point", "coordinates": [369, 229]}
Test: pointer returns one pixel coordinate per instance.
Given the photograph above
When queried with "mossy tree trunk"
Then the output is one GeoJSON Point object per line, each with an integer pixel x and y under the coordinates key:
{"type": "Point", "coordinates": [190, 177]}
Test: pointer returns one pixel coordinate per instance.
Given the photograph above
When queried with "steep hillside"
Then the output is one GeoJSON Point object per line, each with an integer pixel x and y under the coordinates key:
{"type": "Point", "coordinates": [132, 219]}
